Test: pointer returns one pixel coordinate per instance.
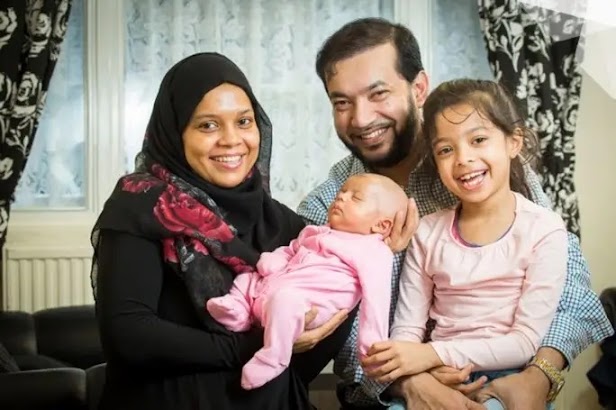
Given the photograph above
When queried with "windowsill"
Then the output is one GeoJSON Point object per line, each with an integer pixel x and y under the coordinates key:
{"type": "Point", "coordinates": [50, 230]}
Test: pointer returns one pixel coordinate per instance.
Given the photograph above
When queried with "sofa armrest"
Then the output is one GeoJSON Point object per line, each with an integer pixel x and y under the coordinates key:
{"type": "Point", "coordinates": [95, 379]}
{"type": "Point", "coordinates": [43, 389]}
{"type": "Point", "coordinates": [17, 333]}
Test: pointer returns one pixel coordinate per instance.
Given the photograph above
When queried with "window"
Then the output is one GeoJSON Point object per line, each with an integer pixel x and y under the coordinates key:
{"type": "Point", "coordinates": [116, 52]}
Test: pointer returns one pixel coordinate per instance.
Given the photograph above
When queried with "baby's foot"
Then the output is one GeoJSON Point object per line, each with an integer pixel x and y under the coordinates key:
{"type": "Point", "coordinates": [257, 372]}
{"type": "Point", "coordinates": [229, 313]}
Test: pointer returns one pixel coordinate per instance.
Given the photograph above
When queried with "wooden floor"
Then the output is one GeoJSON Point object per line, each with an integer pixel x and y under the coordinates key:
{"type": "Point", "coordinates": [323, 392]}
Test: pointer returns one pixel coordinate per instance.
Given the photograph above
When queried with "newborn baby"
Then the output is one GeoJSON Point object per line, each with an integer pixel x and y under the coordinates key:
{"type": "Point", "coordinates": [328, 267]}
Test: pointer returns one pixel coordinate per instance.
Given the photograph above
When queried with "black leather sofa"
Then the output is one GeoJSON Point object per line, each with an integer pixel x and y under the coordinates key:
{"type": "Point", "coordinates": [59, 364]}
{"type": "Point", "coordinates": [58, 355]}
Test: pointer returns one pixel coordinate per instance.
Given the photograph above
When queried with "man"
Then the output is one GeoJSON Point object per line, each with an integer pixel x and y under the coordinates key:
{"type": "Point", "coordinates": [373, 75]}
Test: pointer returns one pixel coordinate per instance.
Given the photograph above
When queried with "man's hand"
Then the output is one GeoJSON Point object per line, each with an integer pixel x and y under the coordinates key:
{"type": "Point", "coordinates": [310, 338]}
{"type": "Point", "coordinates": [424, 392]}
{"type": "Point", "coordinates": [405, 225]}
{"type": "Point", "coordinates": [456, 378]}
{"type": "Point", "coordinates": [389, 360]}
{"type": "Point", "coordinates": [526, 390]}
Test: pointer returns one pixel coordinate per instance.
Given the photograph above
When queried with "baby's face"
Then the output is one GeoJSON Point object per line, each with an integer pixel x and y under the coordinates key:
{"type": "Point", "coordinates": [356, 207]}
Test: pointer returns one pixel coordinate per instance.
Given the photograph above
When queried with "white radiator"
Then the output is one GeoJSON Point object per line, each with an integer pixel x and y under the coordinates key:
{"type": "Point", "coordinates": [37, 278]}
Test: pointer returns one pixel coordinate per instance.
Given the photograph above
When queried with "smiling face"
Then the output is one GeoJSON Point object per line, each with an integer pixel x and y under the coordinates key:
{"type": "Point", "coordinates": [374, 107]}
{"type": "Point", "coordinates": [473, 157]}
{"type": "Point", "coordinates": [221, 140]}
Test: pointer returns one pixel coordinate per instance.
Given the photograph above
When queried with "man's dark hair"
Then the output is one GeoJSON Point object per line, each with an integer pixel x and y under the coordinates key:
{"type": "Point", "coordinates": [360, 35]}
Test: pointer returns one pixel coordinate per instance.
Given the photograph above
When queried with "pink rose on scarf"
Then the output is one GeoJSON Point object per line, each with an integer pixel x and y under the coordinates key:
{"type": "Point", "coordinates": [237, 264]}
{"type": "Point", "coordinates": [199, 247]}
{"type": "Point", "coordinates": [138, 183]}
{"type": "Point", "coordinates": [161, 172]}
{"type": "Point", "coordinates": [169, 253]}
{"type": "Point", "coordinates": [180, 213]}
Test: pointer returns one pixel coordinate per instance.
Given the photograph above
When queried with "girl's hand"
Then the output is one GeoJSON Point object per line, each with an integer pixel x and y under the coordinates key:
{"type": "Point", "coordinates": [389, 360]}
{"type": "Point", "coordinates": [310, 338]}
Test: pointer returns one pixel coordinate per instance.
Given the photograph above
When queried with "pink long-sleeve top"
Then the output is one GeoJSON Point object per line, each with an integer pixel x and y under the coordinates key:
{"type": "Point", "coordinates": [491, 304]}
{"type": "Point", "coordinates": [352, 265]}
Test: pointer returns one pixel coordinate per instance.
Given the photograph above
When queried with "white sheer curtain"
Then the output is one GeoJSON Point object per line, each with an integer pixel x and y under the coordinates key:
{"type": "Point", "coordinates": [275, 42]}
{"type": "Point", "coordinates": [459, 49]}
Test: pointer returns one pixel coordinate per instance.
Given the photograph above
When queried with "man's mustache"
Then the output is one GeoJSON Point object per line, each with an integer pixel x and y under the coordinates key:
{"type": "Point", "coordinates": [358, 132]}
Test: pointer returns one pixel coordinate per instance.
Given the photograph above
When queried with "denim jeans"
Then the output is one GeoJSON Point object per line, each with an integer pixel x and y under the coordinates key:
{"type": "Point", "coordinates": [490, 404]}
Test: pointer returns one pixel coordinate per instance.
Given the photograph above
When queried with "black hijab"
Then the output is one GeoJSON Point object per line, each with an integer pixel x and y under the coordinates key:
{"type": "Point", "coordinates": [208, 233]}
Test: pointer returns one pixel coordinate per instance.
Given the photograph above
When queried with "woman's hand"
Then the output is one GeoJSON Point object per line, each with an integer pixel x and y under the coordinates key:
{"type": "Point", "coordinates": [405, 225]}
{"type": "Point", "coordinates": [389, 360]}
{"type": "Point", "coordinates": [310, 338]}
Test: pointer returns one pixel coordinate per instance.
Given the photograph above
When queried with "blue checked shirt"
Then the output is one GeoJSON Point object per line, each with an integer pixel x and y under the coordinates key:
{"type": "Point", "coordinates": [580, 319]}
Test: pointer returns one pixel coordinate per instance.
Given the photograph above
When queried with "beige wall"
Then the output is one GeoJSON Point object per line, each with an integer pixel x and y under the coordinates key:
{"type": "Point", "coordinates": [596, 186]}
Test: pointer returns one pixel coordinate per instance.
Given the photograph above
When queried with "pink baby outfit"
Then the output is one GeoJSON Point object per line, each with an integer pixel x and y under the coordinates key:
{"type": "Point", "coordinates": [492, 304]}
{"type": "Point", "coordinates": [325, 268]}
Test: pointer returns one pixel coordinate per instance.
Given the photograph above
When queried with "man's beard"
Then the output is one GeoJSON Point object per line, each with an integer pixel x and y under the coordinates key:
{"type": "Point", "coordinates": [400, 147]}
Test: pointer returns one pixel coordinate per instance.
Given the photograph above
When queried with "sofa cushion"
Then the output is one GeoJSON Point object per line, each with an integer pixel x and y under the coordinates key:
{"type": "Point", "coordinates": [51, 389]}
{"type": "Point", "coordinates": [95, 381]}
{"type": "Point", "coordinates": [38, 362]}
{"type": "Point", "coordinates": [69, 334]}
{"type": "Point", "coordinates": [17, 332]}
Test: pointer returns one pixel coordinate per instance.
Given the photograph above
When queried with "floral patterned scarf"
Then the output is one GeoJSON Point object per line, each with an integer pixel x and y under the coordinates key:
{"type": "Point", "coordinates": [208, 233]}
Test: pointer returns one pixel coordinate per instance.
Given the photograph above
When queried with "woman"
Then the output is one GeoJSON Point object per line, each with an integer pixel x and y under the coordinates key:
{"type": "Point", "coordinates": [175, 234]}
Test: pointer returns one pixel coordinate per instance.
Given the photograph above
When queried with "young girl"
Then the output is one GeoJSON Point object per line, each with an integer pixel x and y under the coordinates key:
{"type": "Point", "coordinates": [491, 270]}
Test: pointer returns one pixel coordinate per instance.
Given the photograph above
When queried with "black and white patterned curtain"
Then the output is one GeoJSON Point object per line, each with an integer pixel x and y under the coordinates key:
{"type": "Point", "coordinates": [532, 51]}
{"type": "Point", "coordinates": [31, 32]}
